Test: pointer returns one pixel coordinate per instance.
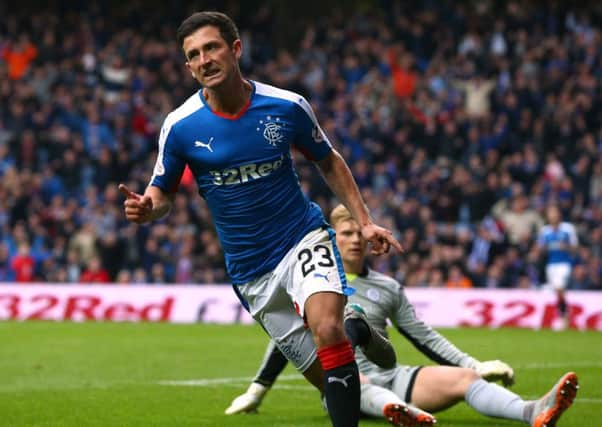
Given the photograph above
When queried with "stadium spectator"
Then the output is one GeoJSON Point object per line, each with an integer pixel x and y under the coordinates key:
{"type": "Point", "coordinates": [158, 274]}
{"type": "Point", "coordinates": [457, 279]}
{"type": "Point", "coordinates": [140, 277]}
{"type": "Point", "coordinates": [520, 222]}
{"type": "Point", "coordinates": [111, 250]}
{"type": "Point", "coordinates": [579, 279]}
{"type": "Point", "coordinates": [23, 264]}
{"type": "Point", "coordinates": [84, 242]}
{"type": "Point", "coordinates": [477, 93]}
{"type": "Point", "coordinates": [19, 55]}
{"type": "Point", "coordinates": [7, 273]}
{"type": "Point", "coordinates": [124, 277]}
{"type": "Point", "coordinates": [73, 266]}
{"type": "Point", "coordinates": [94, 273]}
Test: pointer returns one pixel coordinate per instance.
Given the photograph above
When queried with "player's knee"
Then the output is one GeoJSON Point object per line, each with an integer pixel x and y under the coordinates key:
{"type": "Point", "coordinates": [328, 331]}
{"type": "Point", "coordinates": [466, 377]}
{"type": "Point", "coordinates": [470, 375]}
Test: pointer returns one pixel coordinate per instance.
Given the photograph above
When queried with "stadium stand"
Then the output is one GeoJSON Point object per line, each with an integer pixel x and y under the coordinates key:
{"type": "Point", "coordinates": [462, 121]}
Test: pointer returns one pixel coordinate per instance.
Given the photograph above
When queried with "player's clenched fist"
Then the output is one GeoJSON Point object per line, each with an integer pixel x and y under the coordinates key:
{"type": "Point", "coordinates": [138, 208]}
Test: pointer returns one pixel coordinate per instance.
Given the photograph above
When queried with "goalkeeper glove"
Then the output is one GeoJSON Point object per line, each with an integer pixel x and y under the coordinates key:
{"type": "Point", "coordinates": [495, 370]}
{"type": "Point", "coordinates": [249, 401]}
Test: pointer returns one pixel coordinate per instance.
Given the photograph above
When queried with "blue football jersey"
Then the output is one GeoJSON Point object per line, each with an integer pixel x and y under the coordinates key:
{"type": "Point", "coordinates": [558, 242]}
{"type": "Point", "coordinates": [244, 170]}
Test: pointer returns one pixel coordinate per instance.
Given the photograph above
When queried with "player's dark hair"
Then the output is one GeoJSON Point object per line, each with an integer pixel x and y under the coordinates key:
{"type": "Point", "coordinates": [221, 21]}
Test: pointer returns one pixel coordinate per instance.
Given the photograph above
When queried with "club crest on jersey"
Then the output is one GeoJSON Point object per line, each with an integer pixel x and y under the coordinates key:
{"type": "Point", "coordinates": [373, 295]}
{"type": "Point", "coordinates": [272, 130]}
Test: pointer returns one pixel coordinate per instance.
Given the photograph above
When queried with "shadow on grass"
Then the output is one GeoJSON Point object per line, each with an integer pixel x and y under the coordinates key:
{"type": "Point", "coordinates": [455, 422]}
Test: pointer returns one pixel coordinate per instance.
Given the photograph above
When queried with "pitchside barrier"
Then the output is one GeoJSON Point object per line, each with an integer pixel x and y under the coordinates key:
{"type": "Point", "coordinates": [218, 304]}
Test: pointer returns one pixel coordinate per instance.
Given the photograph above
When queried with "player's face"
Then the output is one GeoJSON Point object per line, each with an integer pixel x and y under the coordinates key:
{"type": "Point", "coordinates": [351, 243]}
{"type": "Point", "coordinates": [210, 59]}
{"type": "Point", "coordinates": [553, 215]}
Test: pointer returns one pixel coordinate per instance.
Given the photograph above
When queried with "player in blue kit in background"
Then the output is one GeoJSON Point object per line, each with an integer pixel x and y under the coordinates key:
{"type": "Point", "coordinates": [558, 240]}
{"type": "Point", "coordinates": [236, 136]}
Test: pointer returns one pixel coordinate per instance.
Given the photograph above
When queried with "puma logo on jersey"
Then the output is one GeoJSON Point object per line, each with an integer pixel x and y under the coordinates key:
{"type": "Point", "coordinates": [202, 144]}
{"type": "Point", "coordinates": [245, 173]}
{"type": "Point", "coordinates": [339, 380]}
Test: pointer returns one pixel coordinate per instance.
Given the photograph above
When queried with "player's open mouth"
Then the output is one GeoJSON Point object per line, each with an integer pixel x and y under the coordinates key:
{"type": "Point", "coordinates": [210, 73]}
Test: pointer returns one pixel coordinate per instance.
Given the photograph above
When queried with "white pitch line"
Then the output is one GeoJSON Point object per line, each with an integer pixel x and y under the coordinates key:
{"type": "Point", "coordinates": [588, 400]}
{"type": "Point", "coordinates": [235, 384]}
{"type": "Point", "coordinates": [206, 382]}
{"type": "Point", "coordinates": [242, 381]}
{"type": "Point", "coordinates": [568, 365]}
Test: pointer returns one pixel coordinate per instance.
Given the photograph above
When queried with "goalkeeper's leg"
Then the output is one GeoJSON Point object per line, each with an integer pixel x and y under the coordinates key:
{"type": "Point", "coordinates": [439, 387]}
{"type": "Point", "coordinates": [272, 365]}
{"type": "Point", "coordinates": [495, 401]}
{"type": "Point", "coordinates": [378, 401]}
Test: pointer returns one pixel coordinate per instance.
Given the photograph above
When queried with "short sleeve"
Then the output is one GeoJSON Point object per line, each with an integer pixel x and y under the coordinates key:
{"type": "Point", "coordinates": [169, 166]}
{"type": "Point", "coordinates": [310, 139]}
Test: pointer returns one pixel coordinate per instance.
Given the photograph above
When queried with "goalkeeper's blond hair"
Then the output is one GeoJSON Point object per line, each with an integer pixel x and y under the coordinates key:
{"type": "Point", "coordinates": [339, 214]}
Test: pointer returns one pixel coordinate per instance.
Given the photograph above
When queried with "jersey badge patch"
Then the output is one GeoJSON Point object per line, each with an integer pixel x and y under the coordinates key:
{"type": "Point", "coordinates": [272, 130]}
{"type": "Point", "coordinates": [373, 295]}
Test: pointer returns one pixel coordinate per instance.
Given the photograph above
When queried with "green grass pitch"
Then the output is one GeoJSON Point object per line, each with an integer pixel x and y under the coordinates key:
{"type": "Point", "coordinates": [116, 374]}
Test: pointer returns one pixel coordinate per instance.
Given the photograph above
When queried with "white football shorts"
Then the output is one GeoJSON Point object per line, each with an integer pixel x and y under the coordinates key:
{"type": "Point", "coordinates": [558, 274]}
{"type": "Point", "coordinates": [277, 299]}
{"type": "Point", "coordinates": [400, 379]}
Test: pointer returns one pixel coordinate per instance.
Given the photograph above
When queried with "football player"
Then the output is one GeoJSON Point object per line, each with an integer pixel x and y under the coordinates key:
{"type": "Point", "coordinates": [557, 240]}
{"type": "Point", "coordinates": [236, 136]}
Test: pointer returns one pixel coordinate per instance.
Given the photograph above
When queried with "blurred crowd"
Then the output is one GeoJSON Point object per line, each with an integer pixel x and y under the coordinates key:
{"type": "Point", "coordinates": [461, 122]}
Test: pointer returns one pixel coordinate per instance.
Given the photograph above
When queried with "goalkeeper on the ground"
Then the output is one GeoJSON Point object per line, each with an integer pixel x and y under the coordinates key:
{"type": "Point", "coordinates": [396, 393]}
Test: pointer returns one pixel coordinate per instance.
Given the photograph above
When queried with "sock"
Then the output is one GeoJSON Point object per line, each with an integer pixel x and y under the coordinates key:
{"type": "Point", "coordinates": [528, 411]}
{"type": "Point", "coordinates": [374, 399]}
{"type": "Point", "coordinates": [562, 307]}
{"type": "Point", "coordinates": [357, 331]}
{"type": "Point", "coordinates": [272, 365]}
{"type": "Point", "coordinates": [341, 384]}
{"type": "Point", "coordinates": [495, 401]}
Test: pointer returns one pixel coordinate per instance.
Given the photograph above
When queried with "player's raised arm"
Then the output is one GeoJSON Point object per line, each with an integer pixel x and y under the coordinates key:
{"type": "Point", "coordinates": [340, 180]}
{"type": "Point", "coordinates": [143, 208]}
{"type": "Point", "coordinates": [314, 144]}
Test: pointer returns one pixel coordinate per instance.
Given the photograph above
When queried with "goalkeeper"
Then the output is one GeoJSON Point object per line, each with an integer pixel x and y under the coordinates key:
{"type": "Point", "coordinates": [430, 388]}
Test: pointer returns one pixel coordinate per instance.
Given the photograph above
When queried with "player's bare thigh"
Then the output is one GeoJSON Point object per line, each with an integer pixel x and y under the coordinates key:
{"type": "Point", "coordinates": [439, 387]}
{"type": "Point", "coordinates": [316, 285]}
{"type": "Point", "coordinates": [324, 315]}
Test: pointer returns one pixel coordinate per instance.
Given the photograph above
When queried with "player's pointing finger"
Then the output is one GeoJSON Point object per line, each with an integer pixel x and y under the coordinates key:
{"type": "Point", "coordinates": [127, 192]}
{"type": "Point", "coordinates": [393, 242]}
